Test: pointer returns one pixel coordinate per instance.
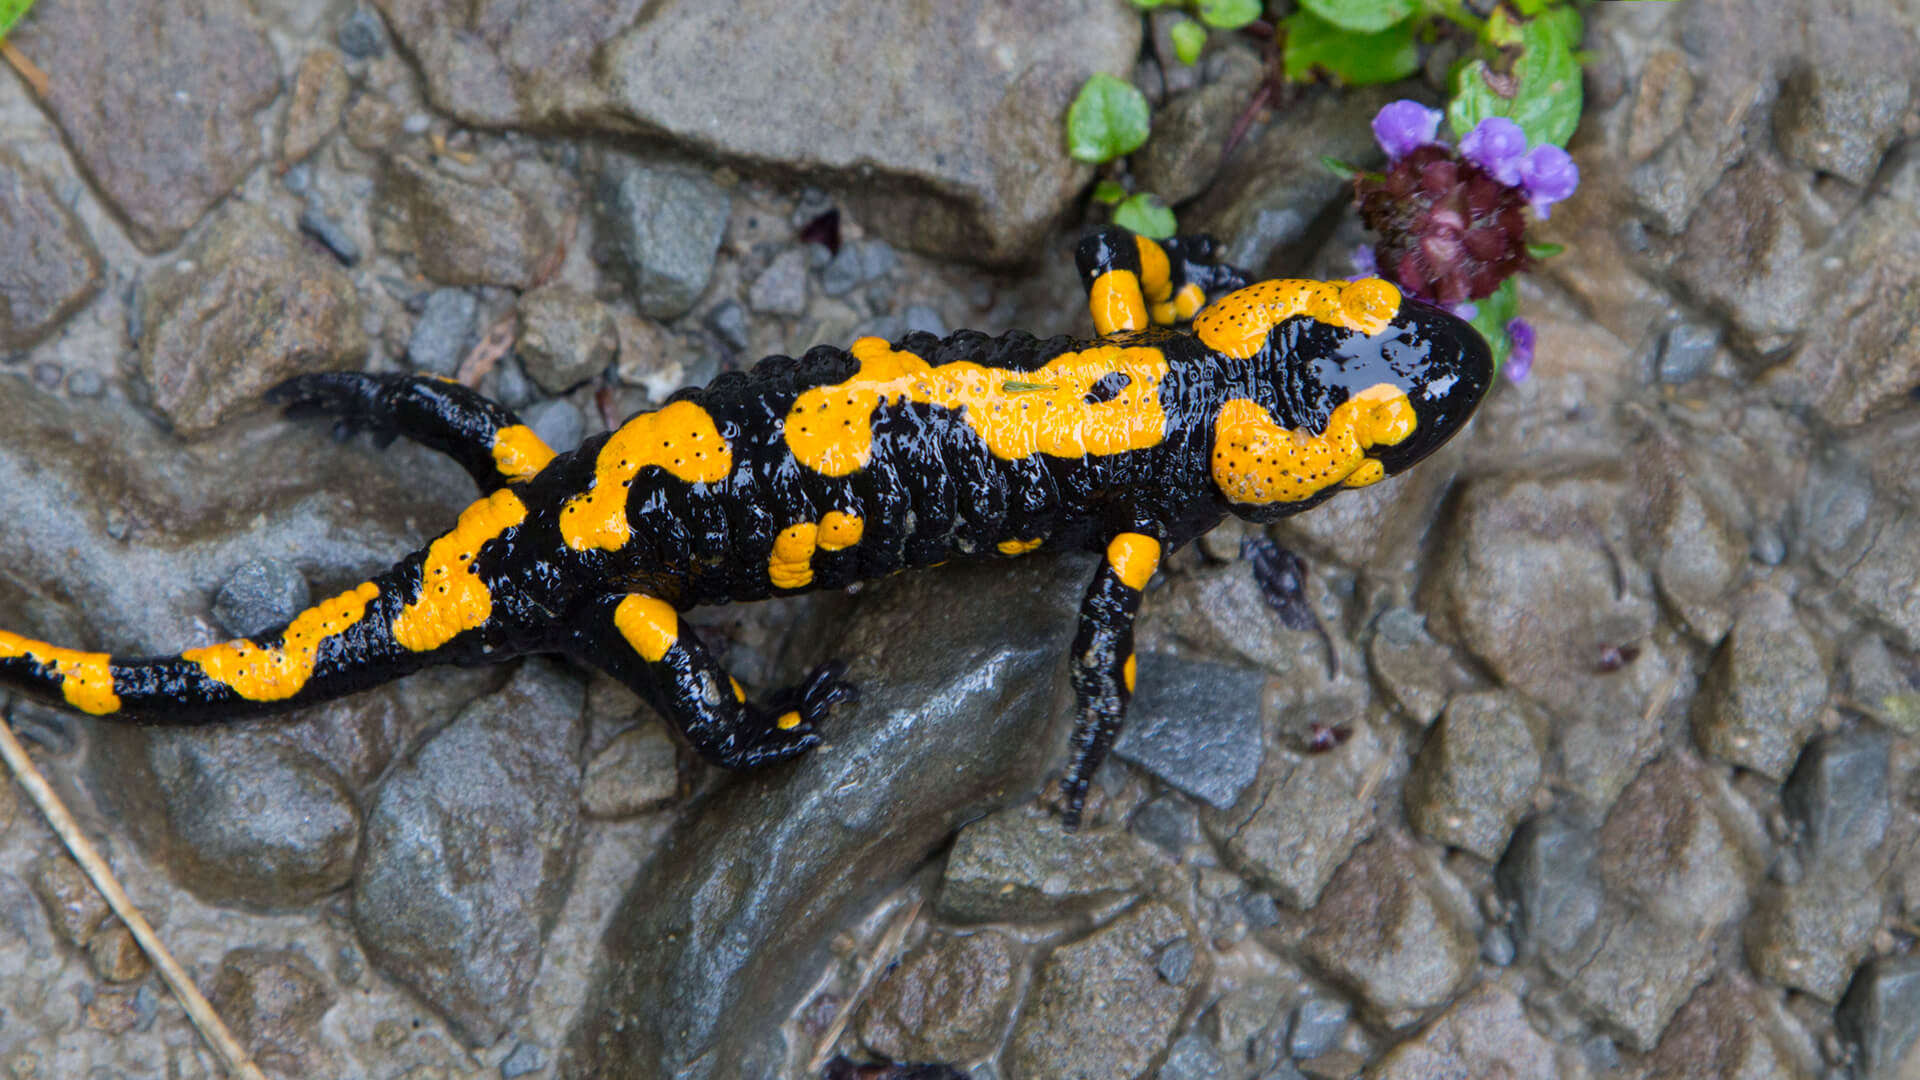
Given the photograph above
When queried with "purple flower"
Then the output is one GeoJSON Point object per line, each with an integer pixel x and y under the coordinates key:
{"type": "Point", "coordinates": [1520, 361]}
{"type": "Point", "coordinates": [1497, 145]}
{"type": "Point", "coordinates": [1364, 263]}
{"type": "Point", "coordinates": [1404, 126]}
{"type": "Point", "coordinates": [1548, 174]}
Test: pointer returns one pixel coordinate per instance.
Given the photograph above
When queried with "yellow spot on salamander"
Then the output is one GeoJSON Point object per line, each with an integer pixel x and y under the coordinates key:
{"type": "Point", "coordinates": [1256, 460]}
{"type": "Point", "coordinates": [788, 721]}
{"type": "Point", "coordinates": [652, 627]}
{"type": "Point", "coordinates": [86, 680]}
{"type": "Point", "coordinates": [739, 692]}
{"type": "Point", "coordinates": [1239, 322]}
{"type": "Point", "coordinates": [1188, 301]}
{"type": "Point", "coordinates": [680, 438]}
{"type": "Point", "coordinates": [259, 673]}
{"type": "Point", "coordinates": [518, 453]}
{"type": "Point", "coordinates": [1019, 547]}
{"type": "Point", "coordinates": [1134, 557]}
{"type": "Point", "coordinates": [1127, 671]}
{"type": "Point", "coordinates": [839, 531]}
{"type": "Point", "coordinates": [1156, 273]}
{"type": "Point", "coordinates": [790, 565]}
{"type": "Point", "coordinates": [830, 428]}
{"type": "Point", "coordinates": [1116, 302]}
{"type": "Point", "coordinates": [452, 597]}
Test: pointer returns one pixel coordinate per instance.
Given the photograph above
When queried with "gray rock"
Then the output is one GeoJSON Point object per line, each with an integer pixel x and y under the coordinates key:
{"type": "Point", "coordinates": [1700, 561]}
{"type": "Point", "coordinates": [1550, 878]}
{"type": "Point", "coordinates": [1724, 1031]}
{"type": "Point", "coordinates": [274, 1000]}
{"type": "Point", "coordinates": [236, 816]}
{"type": "Point", "coordinates": [1098, 1009]}
{"type": "Point", "coordinates": [566, 337]}
{"type": "Point", "coordinates": [1881, 1016]}
{"type": "Point", "coordinates": [315, 222]}
{"type": "Point", "coordinates": [728, 321]}
{"type": "Point", "coordinates": [526, 1058]}
{"type": "Point", "coordinates": [1839, 794]}
{"type": "Point", "coordinates": [1765, 690]}
{"type": "Point", "coordinates": [1497, 947]}
{"type": "Point", "coordinates": [1418, 673]}
{"type": "Point", "coordinates": [708, 946]}
{"type": "Point", "coordinates": [1389, 928]}
{"type": "Point", "coordinates": [1194, 125]}
{"type": "Point", "coordinates": [1301, 820]}
{"type": "Point", "coordinates": [1638, 977]}
{"type": "Point", "coordinates": [1686, 350]}
{"type": "Point", "coordinates": [1315, 1027]}
{"type": "Point", "coordinates": [459, 231]}
{"type": "Point", "coordinates": [1842, 106]}
{"type": "Point", "coordinates": [161, 160]}
{"type": "Point", "coordinates": [973, 171]}
{"type": "Point", "coordinates": [921, 319]}
{"type": "Point", "coordinates": [1192, 1057]}
{"type": "Point", "coordinates": [664, 226]}
{"type": "Point", "coordinates": [1175, 962]}
{"type": "Point", "coordinates": [1261, 911]}
{"type": "Point", "coordinates": [248, 307]}
{"type": "Point", "coordinates": [320, 88]}
{"type": "Point", "coordinates": [1663, 848]}
{"type": "Point", "coordinates": [1023, 864]}
{"type": "Point", "coordinates": [781, 289]}
{"type": "Point", "coordinates": [49, 267]}
{"type": "Point", "coordinates": [558, 423]}
{"type": "Point", "coordinates": [1483, 1033]}
{"type": "Point", "coordinates": [362, 36]}
{"type": "Point", "coordinates": [843, 273]}
{"type": "Point", "coordinates": [448, 329]}
{"type": "Point", "coordinates": [469, 852]}
{"type": "Point", "coordinates": [1168, 823]}
{"type": "Point", "coordinates": [1881, 686]}
{"type": "Point", "coordinates": [639, 770]}
{"type": "Point", "coordinates": [1474, 778]}
{"type": "Point", "coordinates": [74, 908]}
{"type": "Point", "coordinates": [1196, 726]}
{"type": "Point", "coordinates": [1810, 935]}
{"type": "Point", "coordinates": [877, 259]}
{"type": "Point", "coordinates": [1745, 255]}
{"type": "Point", "coordinates": [262, 595]}
{"type": "Point", "coordinates": [948, 1000]}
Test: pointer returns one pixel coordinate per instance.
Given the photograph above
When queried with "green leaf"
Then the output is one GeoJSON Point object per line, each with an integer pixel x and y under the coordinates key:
{"type": "Point", "coordinates": [1144, 215]}
{"type": "Point", "coordinates": [1108, 119]}
{"type": "Point", "coordinates": [1355, 59]}
{"type": "Point", "coordinates": [1149, 5]}
{"type": "Point", "coordinates": [1189, 38]}
{"type": "Point", "coordinates": [1491, 320]}
{"type": "Point", "coordinates": [10, 12]}
{"type": "Point", "coordinates": [1545, 82]}
{"type": "Point", "coordinates": [1228, 14]}
{"type": "Point", "coordinates": [1108, 192]}
{"type": "Point", "coordinates": [1360, 16]}
{"type": "Point", "coordinates": [1545, 251]}
{"type": "Point", "coordinates": [1339, 168]}
{"type": "Point", "coordinates": [1528, 8]}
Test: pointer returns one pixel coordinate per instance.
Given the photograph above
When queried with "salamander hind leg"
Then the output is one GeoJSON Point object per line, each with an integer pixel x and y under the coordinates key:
{"type": "Point", "coordinates": [1103, 661]}
{"type": "Point", "coordinates": [641, 641]}
{"type": "Point", "coordinates": [485, 438]}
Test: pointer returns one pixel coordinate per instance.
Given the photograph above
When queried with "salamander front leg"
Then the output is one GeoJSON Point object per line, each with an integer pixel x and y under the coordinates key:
{"type": "Point", "coordinates": [1103, 660]}
{"type": "Point", "coordinates": [1134, 281]}
{"type": "Point", "coordinates": [641, 641]}
{"type": "Point", "coordinates": [485, 438]}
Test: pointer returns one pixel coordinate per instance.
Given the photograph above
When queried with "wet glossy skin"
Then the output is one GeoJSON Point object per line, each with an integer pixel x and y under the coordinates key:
{"type": "Point", "coordinates": [846, 465]}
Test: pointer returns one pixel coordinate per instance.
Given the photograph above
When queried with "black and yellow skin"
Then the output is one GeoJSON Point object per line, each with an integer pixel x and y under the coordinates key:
{"type": "Point", "coordinates": [845, 465]}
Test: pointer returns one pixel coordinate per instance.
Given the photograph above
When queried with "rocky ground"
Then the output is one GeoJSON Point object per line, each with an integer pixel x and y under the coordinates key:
{"type": "Point", "coordinates": [1622, 688]}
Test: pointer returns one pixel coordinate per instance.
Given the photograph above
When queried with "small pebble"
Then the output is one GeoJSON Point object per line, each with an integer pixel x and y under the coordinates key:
{"type": "Point", "coordinates": [1316, 1027]}
{"type": "Point", "coordinates": [876, 259]}
{"type": "Point", "coordinates": [84, 384]}
{"type": "Point", "coordinates": [1175, 962]}
{"type": "Point", "coordinates": [297, 178]}
{"type": "Point", "coordinates": [819, 257]}
{"type": "Point", "coordinates": [1497, 947]}
{"type": "Point", "coordinates": [48, 375]}
{"type": "Point", "coordinates": [315, 223]}
{"type": "Point", "coordinates": [1261, 911]}
{"type": "Point", "coordinates": [843, 273]}
{"type": "Point", "coordinates": [445, 332]}
{"type": "Point", "coordinates": [728, 321]}
{"type": "Point", "coordinates": [920, 318]}
{"type": "Point", "coordinates": [526, 1057]}
{"type": "Point", "coordinates": [417, 124]}
{"type": "Point", "coordinates": [813, 202]}
{"type": "Point", "coordinates": [262, 595]}
{"type": "Point", "coordinates": [361, 35]}
{"type": "Point", "coordinates": [557, 422]}
{"type": "Point", "coordinates": [512, 388]}
{"type": "Point", "coordinates": [1769, 547]}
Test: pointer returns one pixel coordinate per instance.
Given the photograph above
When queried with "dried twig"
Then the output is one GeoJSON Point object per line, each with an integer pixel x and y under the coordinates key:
{"type": "Point", "coordinates": [28, 70]}
{"type": "Point", "coordinates": [199, 1011]}
{"type": "Point", "coordinates": [883, 953]}
{"type": "Point", "coordinates": [482, 358]}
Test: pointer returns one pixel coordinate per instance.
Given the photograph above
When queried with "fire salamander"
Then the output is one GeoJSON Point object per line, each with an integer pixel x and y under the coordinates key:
{"type": "Point", "coordinates": [845, 465]}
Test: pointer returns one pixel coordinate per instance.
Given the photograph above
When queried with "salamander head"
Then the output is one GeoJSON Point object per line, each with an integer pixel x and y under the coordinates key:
{"type": "Point", "coordinates": [1352, 382]}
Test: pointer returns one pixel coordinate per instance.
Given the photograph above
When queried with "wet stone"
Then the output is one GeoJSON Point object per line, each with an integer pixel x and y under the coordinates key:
{"type": "Point", "coordinates": [1419, 673]}
{"type": "Point", "coordinates": [162, 160]}
{"type": "Point", "coordinates": [1192, 1057]}
{"type": "Point", "coordinates": [1881, 686]}
{"type": "Point", "coordinates": [1098, 1009]}
{"type": "Point", "coordinates": [1497, 947]}
{"type": "Point", "coordinates": [1168, 823]}
{"type": "Point", "coordinates": [49, 268]}
{"type": "Point", "coordinates": [948, 1000]}
{"type": "Point", "coordinates": [1301, 820]}
{"type": "Point", "coordinates": [1722, 1033]}
{"type": "Point", "coordinates": [1839, 795]}
{"type": "Point", "coordinates": [1745, 255]}
{"type": "Point", "coordinates": [638, 770]}
{"type": "Point", "coordinates": [526, 1058]}
{"type": "Point", "coordinates": [362, 36]}
{"type": "Point", "coordinates": [249, 306]}
{"type": "Point", "coordinates": [566, 337]}
{"type": "Point", "coordinates": [921, 319]}
{"type": "Point", "coordinates": [460, 232]}
{"type": "Point", "coordinates": [1175, 962]}
{"type": "Point", "coordinates": [843, 273]}
{"type": "Point", "coordinates": [1663, 848]}
{"type": "Point", "coordinates": [1315, 1027]}
{"type": "Point", "coordinates": [1474, 778]}
{"type": "Point", "coordinates": [274, 1001]}
{"type": "Point", "coordinates": [1639, 977]}
{"type": "Point", "coordinates": [664, 226]}
{"type": "Point", "coordinates": [1019, 863]}
{"type": "Point", "coordinates": [115, 956]}
{"type": "Point", "coordinates": [1840, 109]}
{"type": "Point", "coordinates": [1483, 1034]}
{"type": "Point", "coordinates": [74, 907]}
{"type": "Point", "coordinates": [315, 222]}
{"type": "Point", "coordinates": [447, 330]}
{"type": "Point", "coordinates": [557, 422]}
{"type": "Point", "coordinates": [319, 94]}
{"type": "Point", "coordinates": [1700, 562]}
{"type": "Point", "coordinates": [1765, 689]}
{"type": "Point", "coordinates": [1810, 935]}
{"type": "Point", "coordinates": [1686, 351]}
{"type": "Point", "coordinates": [236, 815]}
{"type": "Point", "coordinates": [728, 321]}
{"type": "Point", "coordinates": [1196, 725]}
{"type": "Point", "coordinates": [469, 852]}
{"type": "Point", "coordinates": [1194, 126]}
{"type": "Point", "coordinates": [781, 289]}
{"type": "Point", "coordinates": [1389, 928]}
{"type": "Point", "coordinates": [1550, 878]}
{"type": "Point", "coordinates": [1881, 1018]}
{"type": "Point", "coordinates": [262, 595]}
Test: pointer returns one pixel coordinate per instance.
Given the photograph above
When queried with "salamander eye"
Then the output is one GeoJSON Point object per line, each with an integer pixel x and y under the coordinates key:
{"type": "Point", "coordinates": [1108, 387]}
